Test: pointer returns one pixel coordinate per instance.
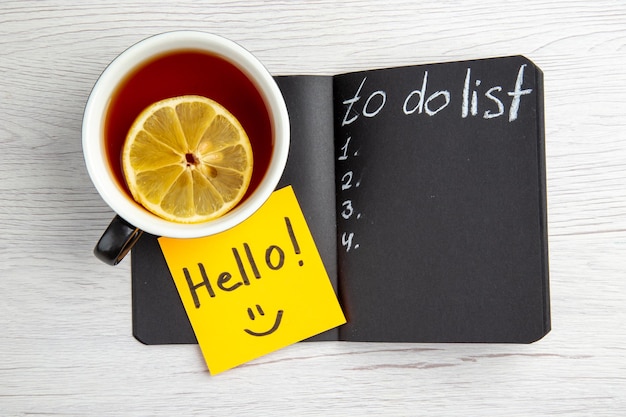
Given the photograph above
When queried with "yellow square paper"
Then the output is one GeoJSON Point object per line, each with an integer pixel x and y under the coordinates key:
{"type": "Point", "coordinates": [255, 288]}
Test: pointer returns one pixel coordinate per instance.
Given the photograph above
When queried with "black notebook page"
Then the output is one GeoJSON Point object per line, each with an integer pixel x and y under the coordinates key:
{"type": "Point", "coordinates": [158, 314]}
{"type": "Point", "coordinates": [310, 167]}
{"type": "Point", "coordinates": [441, 203]}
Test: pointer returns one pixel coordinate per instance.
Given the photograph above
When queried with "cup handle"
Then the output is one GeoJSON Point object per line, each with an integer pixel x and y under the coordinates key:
{"type": "Point", "coordinates": [116, 241]}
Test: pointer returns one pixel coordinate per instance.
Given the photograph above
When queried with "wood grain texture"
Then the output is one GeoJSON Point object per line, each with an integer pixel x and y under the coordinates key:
{"type": "Point", "coordinates": [67, 348]}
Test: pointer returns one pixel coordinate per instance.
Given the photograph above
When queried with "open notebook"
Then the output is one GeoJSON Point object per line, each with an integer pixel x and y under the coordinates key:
{"type": "Point", "coordinates": [424, 189]}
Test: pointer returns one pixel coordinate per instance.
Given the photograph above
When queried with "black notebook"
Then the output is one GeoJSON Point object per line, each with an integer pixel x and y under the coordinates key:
{"type": "Point", "coordinates": [424, 189]}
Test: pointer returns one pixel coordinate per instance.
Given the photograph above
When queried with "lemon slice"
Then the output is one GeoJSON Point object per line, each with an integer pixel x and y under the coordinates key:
{"type": "Point", "coordinates": [187, 159]}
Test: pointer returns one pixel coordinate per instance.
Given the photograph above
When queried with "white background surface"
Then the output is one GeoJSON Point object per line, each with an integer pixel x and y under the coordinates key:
{"type": "Point", "coordinates": [65, 318]}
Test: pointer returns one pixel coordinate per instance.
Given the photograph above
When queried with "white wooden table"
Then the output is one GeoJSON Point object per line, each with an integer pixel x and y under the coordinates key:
{"type": "Point", "coordinates": [66, 347]}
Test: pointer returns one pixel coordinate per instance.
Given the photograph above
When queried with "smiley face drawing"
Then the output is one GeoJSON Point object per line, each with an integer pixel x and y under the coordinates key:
{"type": "Point", "coordinates": [277, 320]}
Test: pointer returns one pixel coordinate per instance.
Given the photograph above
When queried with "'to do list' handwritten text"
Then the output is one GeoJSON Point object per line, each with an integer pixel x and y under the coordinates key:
{"type": "Point", "coordinates": [419, 101]}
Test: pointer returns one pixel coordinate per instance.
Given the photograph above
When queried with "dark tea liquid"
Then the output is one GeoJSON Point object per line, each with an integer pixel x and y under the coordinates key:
{"type": "Point", "coordinates": [189, 72]}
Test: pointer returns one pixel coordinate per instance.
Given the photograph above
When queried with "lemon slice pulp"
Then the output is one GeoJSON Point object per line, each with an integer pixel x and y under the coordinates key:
{"type": "Point", "coordinates": [187, 159]}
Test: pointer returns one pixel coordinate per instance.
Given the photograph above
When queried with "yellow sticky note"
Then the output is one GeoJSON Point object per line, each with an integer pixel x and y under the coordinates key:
{"type": "Point", "coordinates": [255, 288]}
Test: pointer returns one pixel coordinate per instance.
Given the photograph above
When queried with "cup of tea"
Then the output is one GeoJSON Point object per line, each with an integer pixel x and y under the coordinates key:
{"type": "Point", "coordinates": [173, 64]}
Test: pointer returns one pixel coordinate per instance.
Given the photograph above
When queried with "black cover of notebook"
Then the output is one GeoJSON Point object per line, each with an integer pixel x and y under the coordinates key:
{"type": "Point", "coordinates": [424, 189]}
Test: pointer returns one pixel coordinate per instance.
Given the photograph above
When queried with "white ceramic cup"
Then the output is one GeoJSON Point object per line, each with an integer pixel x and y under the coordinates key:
{"type": "Point", "coordinates": [131, 217]}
